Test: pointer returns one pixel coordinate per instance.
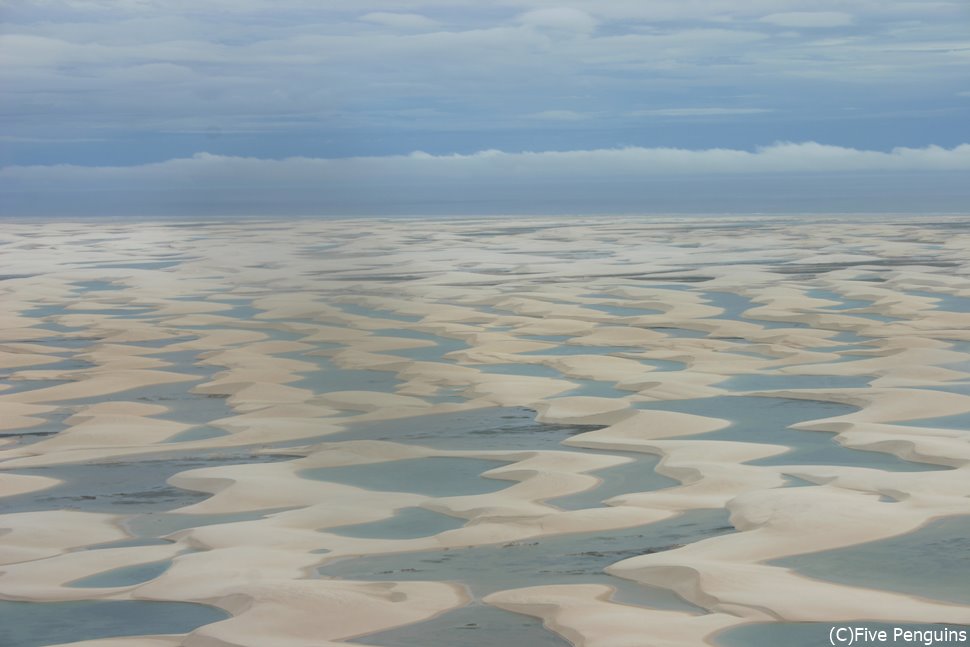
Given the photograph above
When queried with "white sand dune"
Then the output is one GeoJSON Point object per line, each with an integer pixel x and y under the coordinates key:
{"type": "Point", "coordinates": [267, 348]}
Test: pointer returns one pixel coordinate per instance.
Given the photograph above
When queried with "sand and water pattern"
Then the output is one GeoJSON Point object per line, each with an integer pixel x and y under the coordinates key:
{"type": "Point", "coordinates": [529, 431]}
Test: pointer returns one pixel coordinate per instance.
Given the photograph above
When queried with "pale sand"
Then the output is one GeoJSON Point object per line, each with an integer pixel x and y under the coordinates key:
{"type": "Point", "coordinates": [367, 305]}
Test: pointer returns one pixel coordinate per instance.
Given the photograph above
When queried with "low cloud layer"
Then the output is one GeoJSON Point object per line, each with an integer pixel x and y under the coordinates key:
{"type": "Point", "coordinates": [794, 177]}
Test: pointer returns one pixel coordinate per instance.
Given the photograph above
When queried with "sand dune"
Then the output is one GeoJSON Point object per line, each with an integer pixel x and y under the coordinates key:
{"type": "Point", "coordinates": [276, 399]}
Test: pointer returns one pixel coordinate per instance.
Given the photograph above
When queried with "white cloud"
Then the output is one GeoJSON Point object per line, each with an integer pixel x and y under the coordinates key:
{"type": "Point", "coordinates": [402, 21]}
{"type": "Point", "coordinates": [783, 157]}
{"type": "Point", "coordinates": [560, 18]}
{"type": "Point", "coordinates": [785, 176]}
{"type": "Point", "coordinates": [809, 19]}
{"type": "Point", "coordinates": [697, 112]}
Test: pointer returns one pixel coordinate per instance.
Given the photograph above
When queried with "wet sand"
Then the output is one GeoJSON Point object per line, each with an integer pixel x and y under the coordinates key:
{"type": "Point", "coordinates": [518, 431]}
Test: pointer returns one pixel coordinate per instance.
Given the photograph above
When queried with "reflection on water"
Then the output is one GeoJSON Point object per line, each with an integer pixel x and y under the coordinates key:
{"type": "Point", "coordinates": [123, 487]}
{"type": "Point", "coordinates": [777, 381]}
{"type": "Point", "coordinates": [734, 307]}
{"type": "Point", "coordinates": [944, 301]}
{"type": "Point", "coordinates": [932, 562]}
{"type": "Point", "coordinates": [330, 378]}
{"type": "Point", "coordinates": [637, 476]}
{"type": "Point", "coordinates": [476, 625]}
{"type": "Point", "coordinates": [757, 419]}
{"type": "Point", "coordinates": [622, 311]}
{"type": "Point", "coordinates": [577, 558]}
{"type": "Point", "coordinates": [406, 523]}
{"type": "Point", "coordinates": [34, 624]}
{"type": "Point", "coordinates": [124, 576]}
{"type": "Point", "coordinates": [375, 313]}
{"type": "Point", "coordinates": [159, 524]}
{"type": "Point", "coordinates": [960, 422]}
{"type": "Point", "coordinates": [505, 428]}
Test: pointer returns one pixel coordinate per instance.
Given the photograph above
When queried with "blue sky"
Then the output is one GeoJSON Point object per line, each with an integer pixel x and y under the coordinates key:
{"type": "Point", "coordinates": [519, 106]}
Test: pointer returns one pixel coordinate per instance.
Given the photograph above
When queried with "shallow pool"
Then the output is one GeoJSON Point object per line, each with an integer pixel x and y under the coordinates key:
{"type": "Point", "coordinates": [475, 625]}
{"type": "Point", "coordinates": [637, 476]}
{"type": "Point", "coordinates": [758, 419]}
{"type": "Point", "coordinates": [124, 576]}
{"type": "Point", "coordinates": [406, 523]}
{"type": "Point", "coordinates": [34, 624]}
{"type": "Point", "coordinates": [577, 558]}
{"type": "Point", "coordinates": [931, 562]}
{"type": "Point", "coordinates": [504, 428]}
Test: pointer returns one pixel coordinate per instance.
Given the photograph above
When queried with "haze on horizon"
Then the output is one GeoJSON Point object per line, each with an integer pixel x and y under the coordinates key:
{"type": "Point", "coordinates": [300, 107]}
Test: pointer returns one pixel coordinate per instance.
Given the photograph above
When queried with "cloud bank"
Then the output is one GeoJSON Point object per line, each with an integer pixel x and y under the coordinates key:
{"type": "Point", "coordinates": [785, 157]}
{"type": "Point", "coordinates": [604, 180]}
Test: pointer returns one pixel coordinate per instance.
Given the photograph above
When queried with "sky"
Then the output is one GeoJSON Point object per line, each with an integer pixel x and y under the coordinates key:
{"type": "Point", "coordinates": [455, 107]}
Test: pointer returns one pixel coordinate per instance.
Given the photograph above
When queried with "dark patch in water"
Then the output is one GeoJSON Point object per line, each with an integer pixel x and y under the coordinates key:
{"type": "Point", "coordinates": [406, 523]}
{"type": "Point", "coordinates": [508, 428]}
{"type": "Point", "coordinates": [475, 625]}
{"type": "Point", "coordinates": [123, 487]}
{"type": "Point", "coordinates": [577, 558]}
